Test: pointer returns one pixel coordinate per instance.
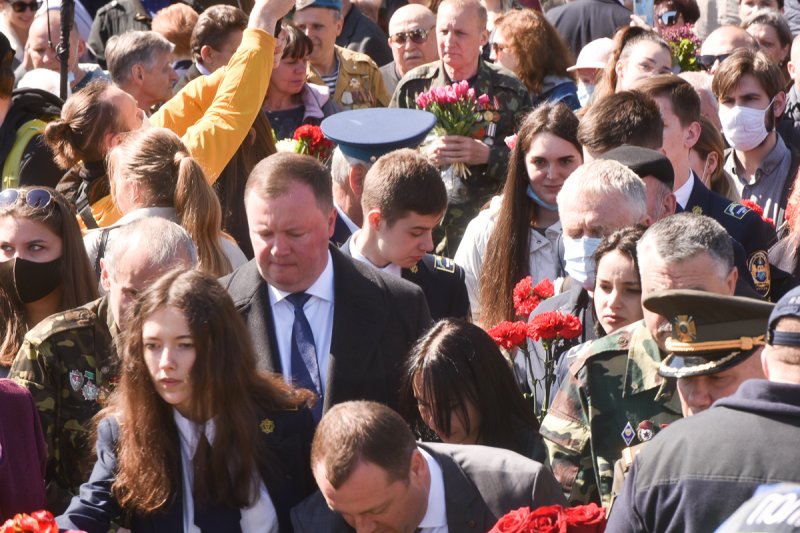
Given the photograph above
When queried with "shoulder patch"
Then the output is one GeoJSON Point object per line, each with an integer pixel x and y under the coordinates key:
{"type": "Point", "coordinates": [73, 319]}
{"type": "Point", "coordinates": [736, 210]}
{"type": "Point", "coordinates": [444, 264]}
{"type": "Point", "coordinates": [758, 265]}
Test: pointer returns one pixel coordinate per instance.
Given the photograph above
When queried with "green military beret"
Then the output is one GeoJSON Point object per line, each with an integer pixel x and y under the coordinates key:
{"type": "Point", "coordinates": [710, 332]}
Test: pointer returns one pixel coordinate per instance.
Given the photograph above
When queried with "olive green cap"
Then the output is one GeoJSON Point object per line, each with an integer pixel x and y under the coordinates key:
{"type": "Point", "coordinates": [710, 332]}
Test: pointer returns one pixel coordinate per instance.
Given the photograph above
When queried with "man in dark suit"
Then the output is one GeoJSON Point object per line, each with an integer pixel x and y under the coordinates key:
{"type": "Point", "coordinates": [403, 200]}
{"type": "Point", "coordinates": [373, 476]}
{"type": "Point", "coordinates": [325, 322]}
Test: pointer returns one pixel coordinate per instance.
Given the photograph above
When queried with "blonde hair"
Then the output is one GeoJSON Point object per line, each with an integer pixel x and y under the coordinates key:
{"type": "Point", "coordinates": [160, 165]}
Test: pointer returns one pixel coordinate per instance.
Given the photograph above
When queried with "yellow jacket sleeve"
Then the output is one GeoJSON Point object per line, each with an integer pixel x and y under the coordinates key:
{"type": "Point", "coordinates": [213, 114]}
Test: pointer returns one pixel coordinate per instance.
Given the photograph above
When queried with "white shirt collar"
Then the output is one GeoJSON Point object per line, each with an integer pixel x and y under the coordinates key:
{"type": "Point", "coordinates": [682, 195]}
{"type": "Point", "coordinates": [352, 226]}
{"type": "Point", "coordinates": [356, 254]}
{"type": "Point", "coordinates": [203, 70]}
{"type": "Point", "coordinates": [190, 432]}
{"type": "Point", "coordinates": [436, 514]}
{"type": "Point", "coordinates": [322, 288]}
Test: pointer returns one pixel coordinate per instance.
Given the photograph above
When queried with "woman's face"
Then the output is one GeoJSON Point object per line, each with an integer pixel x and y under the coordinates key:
{"type": "Point", "coordinates": [503, 53]}
{"type": "Point", "coordinates": [28, 239]}
{"type": "Point", "coordinates": [768, 42]}
{"type": "Point", "coordinates": [169, 354]}
{"type": "Point", "coordinates": [458, 426]}
{"type": "Point", "coordinates": [549, 162]}
{"type": "Point", "coordinates": [617, 292]}
{"type": "Point", "coordinates": [20, 20]}
{"type": "Point", "coordinates": [289, 76]}
{"type": "Point", "coordinates": [647, 59]}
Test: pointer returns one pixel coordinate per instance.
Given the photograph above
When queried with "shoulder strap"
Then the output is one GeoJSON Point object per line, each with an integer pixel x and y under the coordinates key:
{"type": "Point", "coordinates": [83, 206]}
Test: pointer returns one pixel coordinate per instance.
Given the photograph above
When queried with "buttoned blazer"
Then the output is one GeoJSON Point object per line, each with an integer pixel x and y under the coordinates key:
{"type": "Point", "coordinates": [376, 320]}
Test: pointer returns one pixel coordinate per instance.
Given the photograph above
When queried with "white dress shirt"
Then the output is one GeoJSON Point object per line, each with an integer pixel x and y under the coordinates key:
{"type": "Point", "coordinates": [682, 195]}
{"type": "Point", "coordinates": [260, 517]}
{"type": "Point", "coordinates": [435, 519]}
{"type": "Point", "coordinates": [319, 312]}
{"type": "Point", "coordinates": [356, 254]}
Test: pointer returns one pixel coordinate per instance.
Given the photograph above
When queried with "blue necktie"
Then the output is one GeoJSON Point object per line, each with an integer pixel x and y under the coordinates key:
{"type": "Point", "coordinates": [305, 371]}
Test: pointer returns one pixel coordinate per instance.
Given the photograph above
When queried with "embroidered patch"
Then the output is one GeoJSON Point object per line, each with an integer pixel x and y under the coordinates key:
{"type": "Point", "coordinates": [758, 265]}
{"type": "Point", "coordinates": [736, 210]}
{"type": "Point", "coordinates": [444, 264]}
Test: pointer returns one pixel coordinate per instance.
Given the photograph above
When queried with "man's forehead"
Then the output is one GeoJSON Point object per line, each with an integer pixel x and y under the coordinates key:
{"type": "Point", "coordinates": [407, 22]}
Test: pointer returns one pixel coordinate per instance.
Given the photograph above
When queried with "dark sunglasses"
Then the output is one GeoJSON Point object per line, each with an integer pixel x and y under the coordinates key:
{"type": "Point", "coordinates": [20, 7]}
{"type": "Point", "coordinates": [707, 61]}
{"type": "Point", "coordinates": [38, 198]}
{"type": "Point", "coordinates": [417, 36]}
{"type": "Point", "coordinates": [669, 18]}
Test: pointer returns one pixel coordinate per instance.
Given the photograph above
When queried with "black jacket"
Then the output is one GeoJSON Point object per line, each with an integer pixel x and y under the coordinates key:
{"type": "Point", "coordinates": [586, 20]}
{"type": "Point", "coordinates": [361, 34]}
{"type": "Point", "coordinates": [699, 470]}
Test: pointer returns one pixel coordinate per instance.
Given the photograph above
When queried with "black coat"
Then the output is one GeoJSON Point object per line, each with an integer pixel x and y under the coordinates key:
{"type": "Point", "coordinates": [288, 480]}
{"type": "Point", "coordinates": [586, 20]}
{"type": "Point", "coordinates": [376, 320]}
{"type": "Point", "coordinates": [361, 34]}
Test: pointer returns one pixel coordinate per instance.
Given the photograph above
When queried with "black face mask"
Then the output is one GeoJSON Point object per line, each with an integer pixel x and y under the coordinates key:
{"type": "Point", "coordinates": [30, 281]}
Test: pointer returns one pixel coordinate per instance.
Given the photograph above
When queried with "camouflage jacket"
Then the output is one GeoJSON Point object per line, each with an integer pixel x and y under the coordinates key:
{"type": "Point", "coordinates": [510, 100]}
{"type": "Point", "coordinates": [360, 83]}
{"type": "Point", "coordinates": [69, 364]}
{"type": "Point", "coordinates": [612, 388]}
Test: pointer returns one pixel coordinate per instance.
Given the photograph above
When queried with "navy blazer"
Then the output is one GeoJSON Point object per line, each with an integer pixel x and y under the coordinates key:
{"type": "Point", "coordinates": [286, 434]}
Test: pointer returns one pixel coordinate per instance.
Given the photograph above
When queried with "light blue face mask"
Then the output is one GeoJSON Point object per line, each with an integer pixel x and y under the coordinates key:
{"type": "Point", "coordinates": [579, 259]}
{"type": "Point", "coordinates": [585, 93]}
{"type": "Point", "coordinates": [538, 201]}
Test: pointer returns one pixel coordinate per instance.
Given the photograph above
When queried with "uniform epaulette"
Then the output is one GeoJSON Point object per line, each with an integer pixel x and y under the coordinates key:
{"type": "Point", "coordinates": [60, 322]}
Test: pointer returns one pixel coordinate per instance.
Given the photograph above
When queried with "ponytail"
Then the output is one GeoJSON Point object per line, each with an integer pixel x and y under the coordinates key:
{"type": "Point", "coordinates": [200, 214]}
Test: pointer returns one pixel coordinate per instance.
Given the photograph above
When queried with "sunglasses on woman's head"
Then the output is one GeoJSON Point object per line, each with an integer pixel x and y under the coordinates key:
{"type": "Point", "coordinates": [669, 18]}
{"type": "Point", "coordinates": [417, 36]}
{"type": "Point", "coordinates": [20, 7]}
{"type": "Point", "coordinates": [38, 198]}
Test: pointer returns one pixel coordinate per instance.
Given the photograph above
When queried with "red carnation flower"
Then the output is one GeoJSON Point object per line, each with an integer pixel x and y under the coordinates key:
{"type": "Point", "coordinates": [555, 325]}
{"type": "Point", "coordinates": [527, 298]}
{"type": "Point", "coordinates": [750, 204]}
{"type": "Point", "coordinates": [509, 334]}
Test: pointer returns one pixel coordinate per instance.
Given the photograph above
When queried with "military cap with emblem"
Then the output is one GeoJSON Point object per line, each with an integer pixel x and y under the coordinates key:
{"type": "Point", "coordinates": [329, 4]}
{"type": "Point", "coordinates": [367, 134]}
{"type": "Point", "coordinates": [644, 162]}
{"type": "Point", "coordinates": [710, 332]}
{"type": "Point", "coordinates": [787, 307]}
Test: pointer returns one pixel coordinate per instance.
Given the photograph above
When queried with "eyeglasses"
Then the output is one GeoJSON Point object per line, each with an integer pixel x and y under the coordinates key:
{"type": "Point", "coordinates": [20, 7]}
{"type": "Point", "coordinates": [417, 36]}
{"type": "Point", "coordinates": [707, 61]}
{"type": "Point", "coordinates": [669, 18]}
{"type": "Point", "coordinates": [38, 198]}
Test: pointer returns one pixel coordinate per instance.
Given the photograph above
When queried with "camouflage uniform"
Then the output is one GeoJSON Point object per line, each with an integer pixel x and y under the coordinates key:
{"type": "Point", "coordinates": [510, 101]}
{"type": "Point", "coordinates": [69, 364]}
{"type": "Point", "coordinates": [612, 388]}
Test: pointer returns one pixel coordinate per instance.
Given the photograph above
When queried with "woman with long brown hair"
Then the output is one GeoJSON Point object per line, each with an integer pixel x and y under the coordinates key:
{"type": "Point", "coordinates": [195, 436]}
{"type": "Point", "coordinates": [517, 35]}
{"type": "Point", "coordinates": [517, 235]}
{"type": "Point", "coordinates": [152, 174]}
{"type": "Point", "coordinates": [43, 264]}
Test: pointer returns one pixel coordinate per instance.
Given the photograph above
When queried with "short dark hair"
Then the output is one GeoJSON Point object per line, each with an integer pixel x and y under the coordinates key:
{"type": "Point", "coordinates": [742, 62]}
{"type": "Point", "coordinates": [214, 26]}
{"type": "Point", "coordinates": [273, 175]}
{"type": "Point", "coordinates": [402, 182]}
{"type": "Point", "coordinates": [626, 117]}
{"type": "Point", "coordinates": [688, 8]}
{"type": "Point", "coordinates": [457, 361]}
{"type": "Point", "coordinates": [352, 432]}
{"type": "Point", "coordinates": [682, 96]}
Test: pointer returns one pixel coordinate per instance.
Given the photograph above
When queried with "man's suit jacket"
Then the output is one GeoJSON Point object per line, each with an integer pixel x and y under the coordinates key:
{"type": "Point", "coordinates": [376, 320]}
{"type": "Point", "coordinates": [481, 484]}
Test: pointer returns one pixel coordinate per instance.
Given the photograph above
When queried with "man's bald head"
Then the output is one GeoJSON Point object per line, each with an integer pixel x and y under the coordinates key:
{"type": "Point", "coordinates": [465, 6]}
{"type": "Point", "coordinates": [41, 53]}
{"type": "Point", "coordinates": [411, 13]}
{"type": "Point", "coordinates": [726, 39]}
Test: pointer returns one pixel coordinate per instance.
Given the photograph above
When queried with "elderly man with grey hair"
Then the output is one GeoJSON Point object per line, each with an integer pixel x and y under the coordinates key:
{"type": "Point", "coordinates": [619, 372]}
{"type": "Point", "coordinates": [348, 183]}
{"type": "Point", "coordinates": [140, 63]}
{"type": "Point", "coordinates": [69, 361]}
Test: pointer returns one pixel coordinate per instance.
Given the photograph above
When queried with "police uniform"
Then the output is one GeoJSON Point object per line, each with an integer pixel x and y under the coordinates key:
{"type": "Point", "coordinates": [69, 364]}
{"type": "Point", "coordinates": [710, 333]}
{"type": "Point", "coordinates": [510, 102]}
{"type": "Point", "coordinates": [612, 388]}
{"type": "Point", "coordinates": [745, 226]}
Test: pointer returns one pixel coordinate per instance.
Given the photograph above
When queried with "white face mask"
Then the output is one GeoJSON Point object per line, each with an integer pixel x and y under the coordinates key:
{"type": "Point", "coordinates": [744, 126]}
{"type": "Point", "coordinates": [579, 259]}
{"type": "Point", "coordinates": [585, 93]}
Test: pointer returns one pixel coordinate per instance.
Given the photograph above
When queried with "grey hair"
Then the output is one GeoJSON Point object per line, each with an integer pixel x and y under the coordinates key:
{"type": "Point", "coordinates": [341, 165]}
{"type": "Point", "coordinates": [161, 241]}
{"type": "Point", "coordinates": [602, 177]}
{"type": "Point", "coordinates": [683, 236]}
{"type": "Point", "coordinates": [134, 48]}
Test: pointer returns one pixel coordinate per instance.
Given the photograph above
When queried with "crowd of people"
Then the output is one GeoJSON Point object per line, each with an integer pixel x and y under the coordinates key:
{"type": "Point", "coordinates": [210, 325]}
